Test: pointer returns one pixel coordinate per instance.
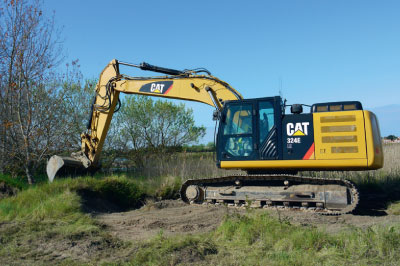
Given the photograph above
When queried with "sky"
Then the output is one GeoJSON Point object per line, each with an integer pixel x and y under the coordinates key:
{"type": "Point", "coordinates": [307, 51]}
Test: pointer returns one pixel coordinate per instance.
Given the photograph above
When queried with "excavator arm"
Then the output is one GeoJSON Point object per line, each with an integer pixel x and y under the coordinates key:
{"type": "Point", "coordinates": [191, 85]}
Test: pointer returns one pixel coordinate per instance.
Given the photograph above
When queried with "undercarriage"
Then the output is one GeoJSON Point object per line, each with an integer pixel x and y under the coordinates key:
{"type": "Point", "coordinates": [322, 195]}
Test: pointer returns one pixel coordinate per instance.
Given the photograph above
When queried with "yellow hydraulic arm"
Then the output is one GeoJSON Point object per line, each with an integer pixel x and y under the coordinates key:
{"type": "Point", "coordinates": [185, 85]}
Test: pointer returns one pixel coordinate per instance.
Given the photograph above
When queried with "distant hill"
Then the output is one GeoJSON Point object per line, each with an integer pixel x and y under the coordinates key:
{"type": "Point", "coordinates": [389, 119]}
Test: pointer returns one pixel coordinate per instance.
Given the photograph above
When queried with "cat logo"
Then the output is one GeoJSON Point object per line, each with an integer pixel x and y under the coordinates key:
{"type": "Point", "coordinates": [157, 87]}
{"type": "Point", "coordinates": [162, 87]}
{"type": "Point", "coordinates": [298, 129]}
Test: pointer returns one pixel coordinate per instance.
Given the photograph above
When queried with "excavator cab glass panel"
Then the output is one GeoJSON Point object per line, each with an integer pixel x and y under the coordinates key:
{"type": "Point", "coordinates": [238, 131]}
{"type": "Point", "coordinates": [268, 130]}
{"type": "Point", "coordinates": [266, 116]}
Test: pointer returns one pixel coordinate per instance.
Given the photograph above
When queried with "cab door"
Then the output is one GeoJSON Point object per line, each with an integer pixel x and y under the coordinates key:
{"type": "Point", "coordinates": [268, 121]}
{"type": "Point", "coordinates": [250, 130]}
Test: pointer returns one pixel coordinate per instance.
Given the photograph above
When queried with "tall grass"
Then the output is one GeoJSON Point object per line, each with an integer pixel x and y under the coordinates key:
{"type": "Point", "coordinates": [185, 165]}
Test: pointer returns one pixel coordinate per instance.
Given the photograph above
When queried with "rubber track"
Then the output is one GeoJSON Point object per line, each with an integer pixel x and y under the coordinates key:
{"type": "Point", "coordinates": [291, 178]}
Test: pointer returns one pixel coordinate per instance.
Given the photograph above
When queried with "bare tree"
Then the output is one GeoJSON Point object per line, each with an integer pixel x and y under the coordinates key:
{"type": "Point", "coordinates": [30, 96]}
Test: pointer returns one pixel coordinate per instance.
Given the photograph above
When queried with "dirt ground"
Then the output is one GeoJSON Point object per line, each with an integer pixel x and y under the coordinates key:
{"type": "Point", "coordinates": [169, 216]}
{"type": "Point", "coordinates": [175, 217]}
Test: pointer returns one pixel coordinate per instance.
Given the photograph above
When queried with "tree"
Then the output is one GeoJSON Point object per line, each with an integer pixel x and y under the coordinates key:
{"type": "Point", "coordinates": [391, 137]}
{"type": "Point", "coordinates": [78, 98]}
{"type": "Point", "coordinates": [156, 125]}
{"type": "Point", "coordinates": [30, 96]}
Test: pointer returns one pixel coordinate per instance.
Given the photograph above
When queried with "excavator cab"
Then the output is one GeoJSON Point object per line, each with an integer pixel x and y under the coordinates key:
{"type": "Point", "coordinates": [248, 130]}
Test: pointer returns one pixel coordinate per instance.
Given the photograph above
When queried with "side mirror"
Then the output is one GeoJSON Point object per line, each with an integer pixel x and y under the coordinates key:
{"type": "Point", "coordinates": [296, 109]}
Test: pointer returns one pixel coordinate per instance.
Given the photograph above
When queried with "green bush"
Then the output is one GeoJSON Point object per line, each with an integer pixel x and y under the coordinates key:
{"type": "Point", "coordinates": [120, 191]}
{"type": "Point", "coordinates": [16, 182]}
{"type": "Point", "coordinates": [60, 199]}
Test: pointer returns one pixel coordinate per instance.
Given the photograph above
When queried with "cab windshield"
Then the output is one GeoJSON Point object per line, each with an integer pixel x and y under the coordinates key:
{"type": "Point", "coordinates": [238, 130]}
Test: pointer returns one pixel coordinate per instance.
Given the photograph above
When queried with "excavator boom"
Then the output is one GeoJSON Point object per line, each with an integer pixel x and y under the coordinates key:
{"type": "Point", "coordinates": [191, 85]}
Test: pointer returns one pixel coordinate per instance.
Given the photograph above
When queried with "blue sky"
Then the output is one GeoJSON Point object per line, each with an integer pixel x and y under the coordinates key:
{"type": "Point", "coordinates": [321, 50]}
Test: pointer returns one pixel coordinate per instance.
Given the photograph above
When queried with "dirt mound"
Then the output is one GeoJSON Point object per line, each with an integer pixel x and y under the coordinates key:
{"type": "Point", "coordinates": [6, 190]}
{"type": "Point", "coordinates": [169, 217]}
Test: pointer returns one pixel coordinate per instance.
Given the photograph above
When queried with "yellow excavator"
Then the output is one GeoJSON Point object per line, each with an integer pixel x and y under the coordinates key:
{"type": "Point", "coordinates": [254, 135]}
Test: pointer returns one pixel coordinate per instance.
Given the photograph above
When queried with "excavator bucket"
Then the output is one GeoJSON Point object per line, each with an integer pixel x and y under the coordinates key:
{"type": "Point", "coordinates": [62, 166]}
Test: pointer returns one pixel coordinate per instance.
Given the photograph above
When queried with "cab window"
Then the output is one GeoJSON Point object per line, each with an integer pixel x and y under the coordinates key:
{"type": "Point", "coordinates": [238, 130]}
{"type": "Point", "coordinates": [238, 120]}
{"type": "Point", "coordinates": [266, 119]}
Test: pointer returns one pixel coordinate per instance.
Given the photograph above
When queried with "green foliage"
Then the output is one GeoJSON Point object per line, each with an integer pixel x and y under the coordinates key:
{"type": "Point", "coordinates": [209, 147]}
{"type": "Point", "coordinates": [16, 182]}
{"type": "Point", "coordinates": [60, 200]}
{"type": "Point", "coordinates": [120, 191]}
{"type": "Point", "coordinates": [150, 123]}
{"type": "Point", "coordinates": [391, 137]}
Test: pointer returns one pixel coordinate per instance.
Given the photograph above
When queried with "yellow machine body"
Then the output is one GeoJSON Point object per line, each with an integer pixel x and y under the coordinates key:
{"type": "Point", "coordinates": [346, 140]}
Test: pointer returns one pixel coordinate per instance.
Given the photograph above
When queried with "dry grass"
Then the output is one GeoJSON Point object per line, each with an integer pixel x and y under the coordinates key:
{"type": "Point", "coordinates": [184, 165]}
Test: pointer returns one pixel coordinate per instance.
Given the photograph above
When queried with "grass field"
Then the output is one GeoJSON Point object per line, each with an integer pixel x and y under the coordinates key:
{"type": "Point", "coordinates": [48, 217]}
